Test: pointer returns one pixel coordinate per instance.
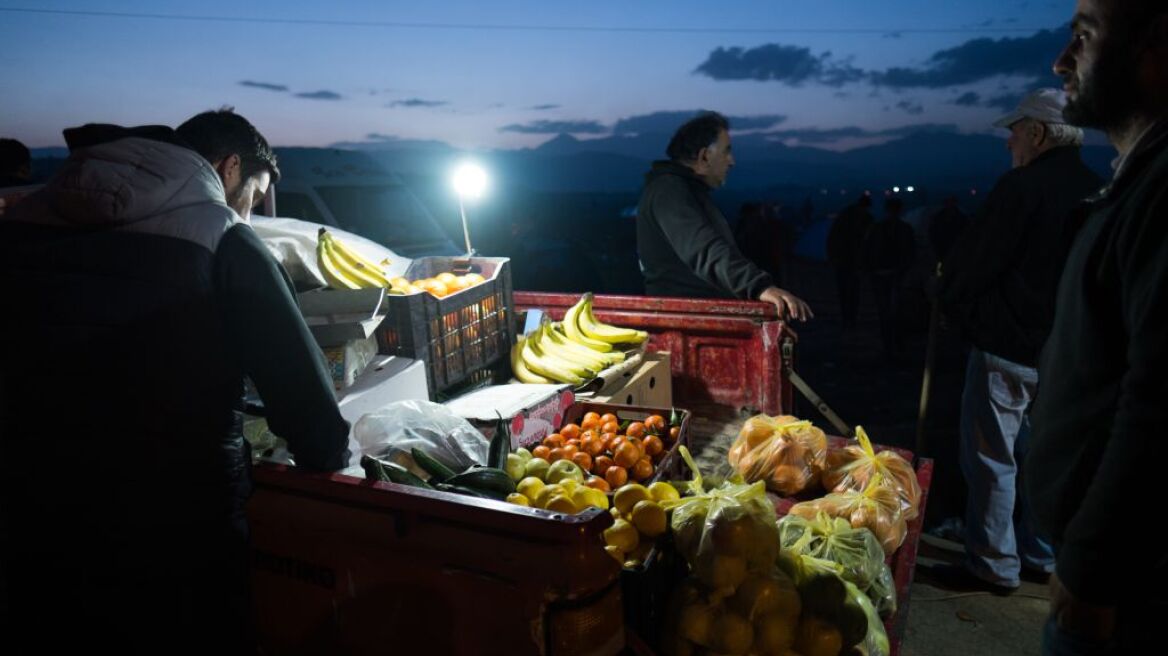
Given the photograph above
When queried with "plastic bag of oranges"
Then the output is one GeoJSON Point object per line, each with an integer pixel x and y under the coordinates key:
{"type": "Point", "coordinates": [877, 508]}
{"type": "Point", "coordinates": [851, 468]}
{"type": "Point", "coordinates": [789, 455]}
{"type": "Point", "coordinates": [726, 534]}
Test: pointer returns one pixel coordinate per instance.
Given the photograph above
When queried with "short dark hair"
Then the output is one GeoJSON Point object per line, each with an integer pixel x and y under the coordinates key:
{"type": "Point", "coordinates": [221, 133]}
{"type": "Point", "coordinates": [697, 133]}
{"type": "Point", "coordinates": [14, 156]}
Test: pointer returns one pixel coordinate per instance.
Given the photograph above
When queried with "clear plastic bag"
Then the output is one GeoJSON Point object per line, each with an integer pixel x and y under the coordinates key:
{"type": "Point", "coordinates": [392, 431]}
{"type": "Point", "coordinates": [856, 550]}
{"type": "Point", "coordinates": [725, 534]}
{"type": "Point", "coordinates": [852, 467]}
{"type": "Point", "coordinates": [877, 508]}
{"type": "Point", "coordinates": [787, 454]}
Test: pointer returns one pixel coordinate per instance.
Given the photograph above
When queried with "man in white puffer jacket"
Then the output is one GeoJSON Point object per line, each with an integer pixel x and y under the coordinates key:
{"type": "Point", "coordinates": [136, 302]}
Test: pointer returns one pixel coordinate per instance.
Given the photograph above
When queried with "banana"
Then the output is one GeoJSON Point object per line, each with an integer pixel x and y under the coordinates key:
{"type": "Point", "coordinates": [328, 268]}
{"type": "Point", "coordinates": [560, 342]}
{"type": "Point", "coordinates": [549, 345]}
{"type": "Point", "coordinates": [358, 275]}
{"type": "Point", "coordinates": [605, 332]}
{"type": "Point", "coordinates": [542, 365]}
{"type": "Point", "coordinates": [522, 373]}
{"type": "Point", "coordinates": [571, 325]}
{"type": "Point", "coordinates": [357, 260]}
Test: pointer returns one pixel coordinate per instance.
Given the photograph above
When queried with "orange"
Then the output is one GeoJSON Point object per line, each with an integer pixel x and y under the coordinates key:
{"type": "Point", "coordinates": [636, 441]}
{"type": "Point", "coordinates": [456, 284]}
{"type": "Point", "coordinates": [590, 423]}
{"type": "Point", "coordinates": [556, 454]}
{"type": "Point", "coordinates": [614, 443]}
{"type": "Point", "coordinates": [607, 417]}
{"type": "Point", "coordinates": [616, 476]}
{"type": "Point", "coordinates": [598, 483]}
{"type": "Point", "coordinates": [541, 451]}
{"type": "Point", "coordinates": [600, 465]}
{"type": "Point", "coordinates": [474, 278]}
{"type": "Point", "coordinates": [591, 415]}
{"type": "Point", "coordinates": [570, 431]}
{"type": "Point", "coordinates": [592, 446]}
{"type": "Point", "coordinates": [674, 432]}
{"type": "Point", "coordinates": [643, 469]}
{"type": "Point", "coordinates": [582, 460]}
{"type": "Point", "coordinates": [435, 287]}
{"type": "Point", "coordinates": [655, 424]}
{"type": "Point", "coordinates": [553, 441]}
{"type": "Point", "coordinates": [610, 427]}
{"type": "Point", "coordinates": [445, 278]}
{"type": "Point", "coordinates": [626, 455]}
{"type": "Point", "coordinates": [635, 429]}
{"type": "Point", "coordinates": [653, 445]}
{"type": "Point", "coordinates": [569, 450]}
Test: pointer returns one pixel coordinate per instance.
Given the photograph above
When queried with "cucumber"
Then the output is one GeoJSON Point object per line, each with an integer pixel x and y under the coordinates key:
{"type": "Point", "coordinates": [391, 472]}
{"type": "Point", "coordinates": [489, 480]}
{"type": "Point", "coordinates": [438, 471]}
{"type": "Point", "coordinates": [459, 489]}
{"type": "Point", "coordinates": [500, 443]}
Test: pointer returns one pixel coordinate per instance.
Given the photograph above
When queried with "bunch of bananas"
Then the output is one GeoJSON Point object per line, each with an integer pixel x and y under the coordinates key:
{"type": "Point", "coordinates": [345, 268]}
{"type": "Point", "coordinates": [572, 351]}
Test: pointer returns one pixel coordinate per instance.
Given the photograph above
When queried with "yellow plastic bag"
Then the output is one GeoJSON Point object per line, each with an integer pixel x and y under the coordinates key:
{"type": "Point", "coordinates": [851, 468]}
{"type": "Point", "coordinates": [787, 454]}
{"type": "Point", "coordinates": [725, 534]}
{"type": "Point", "coordinates": [877, 508]}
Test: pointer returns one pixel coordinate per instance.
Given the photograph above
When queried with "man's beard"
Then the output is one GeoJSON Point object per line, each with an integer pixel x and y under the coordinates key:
{"type": "Point", "coordinates": [1108, 93]}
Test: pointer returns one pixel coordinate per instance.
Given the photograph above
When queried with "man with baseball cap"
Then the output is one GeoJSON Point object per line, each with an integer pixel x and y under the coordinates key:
{"type": "Point", "coordinates": [997, 285]}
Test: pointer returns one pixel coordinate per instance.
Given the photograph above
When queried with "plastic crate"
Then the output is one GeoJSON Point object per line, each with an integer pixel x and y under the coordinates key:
{"type": "Point", "coordinates": [463, 338]}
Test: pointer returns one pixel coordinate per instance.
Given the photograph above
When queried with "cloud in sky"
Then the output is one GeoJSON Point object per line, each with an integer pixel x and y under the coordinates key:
{"type": "Point", "coordinates": [556, 127]}
{"type": "Point", "coordinates": [319, 95]}
{"type": "Point", "coordinates": [911, 107]}
{"type": "Point", "coordinates": [417, 102]}
{"type": "Point", "coordinates": [264, 85]}
{"type": "Point", "coordinates": [974, 60]}
{"type": "Point", "coordinates": [377, 136]}
{"type": "Point", "coordinates": [980, 59]}
{"type": "Point", "coordinates": [544, 107]}
{"type": "Point", "coordinates": [791, 65]}
{"type": "Point", "coordinates": [667, 122]}
{"type": "Point", "coordinates": [968, 99]}
{"type": "Point", "coordinates": [821, 136]}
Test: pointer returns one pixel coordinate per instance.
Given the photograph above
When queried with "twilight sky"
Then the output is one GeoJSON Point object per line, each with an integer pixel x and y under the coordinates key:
{"type": "Point", "coordinates": [513, 73]}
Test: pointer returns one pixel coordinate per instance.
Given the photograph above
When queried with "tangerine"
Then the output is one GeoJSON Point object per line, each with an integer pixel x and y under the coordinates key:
{"type": "Point", "coordinates": [626, 455]}
{"type": "Point", "coordinates": [541, 451]}
{"type": "Point", "coordinates": [643, 469]}
{"type": "Point", "coordinates": [589, 423]}
{"type": "Point", "coordinates": [593, 446]}
{"type": "Point", "coordinates": [610, 427]}
{"type": "Point", "coordinates": [598, 483]}
{"type": "Point", "coordinates": [655, 424]}
{"type": "Point", "coordinates": [600, 465]}
{"type": "Point", "coordinates": [556, 454]}
{"type": "Point", "coordinates": [616, 476]}
{"type": "Point", "coordinates": [569, 450]}
{"type": "Point", "coordinates": [475, 278]}
{"type": "Point", "coordinates": [653, 445]}
{"type": "Point", "coordinates": [635, 429]}
{"type": "Point", "coordinates": [608, 417]}
{"type": "Point", "coordinates": [582, 460]}
{"type": "Point", "coordinates": [591, 415]}
{"type": "Point", "coordinates": [674, 432]}
{"type": "Point", "coordinates": [554, 440]}
{"type": "Point", "coordinates": [570, 431]}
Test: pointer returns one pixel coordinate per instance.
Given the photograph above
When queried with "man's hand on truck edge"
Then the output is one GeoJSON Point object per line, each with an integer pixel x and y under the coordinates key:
{"type": "Point", "coordinates": [789, 305]}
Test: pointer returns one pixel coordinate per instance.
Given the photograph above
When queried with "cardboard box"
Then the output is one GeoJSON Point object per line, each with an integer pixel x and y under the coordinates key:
{"type": "Point", "coordinates": [347, 362]}
{"type": "Point", "coordinates": [650, 384]}
{"type": "Point", "coordinates": [387, 379]}
{"type": "Point", "coordinates": [337, 316]}
{"type": "Point", "coordinates": [535, 411]}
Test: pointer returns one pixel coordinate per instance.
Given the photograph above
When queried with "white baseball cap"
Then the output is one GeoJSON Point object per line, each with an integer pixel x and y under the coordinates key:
{"type": "Point", "coordinates": [1045, 105]}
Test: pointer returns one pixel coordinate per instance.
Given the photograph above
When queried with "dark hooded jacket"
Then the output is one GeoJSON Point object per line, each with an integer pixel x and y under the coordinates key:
{"type": "Point", "coordinates": [685, 245]}
{"type": "Point", "coordinates": [135, 303]}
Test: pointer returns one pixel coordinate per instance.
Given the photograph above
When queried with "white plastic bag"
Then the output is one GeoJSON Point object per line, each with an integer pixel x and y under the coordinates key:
{"type": "Point", "coordinates": [391, 432]}
{"type": "Point", "coordinates": [293, 243]}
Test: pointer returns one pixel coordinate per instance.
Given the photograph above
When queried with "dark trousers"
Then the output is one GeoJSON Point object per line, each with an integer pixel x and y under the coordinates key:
{"type": "Point", "coordinates": [847, 282]}
{"type": "Point", "coordinates": [886, 292]}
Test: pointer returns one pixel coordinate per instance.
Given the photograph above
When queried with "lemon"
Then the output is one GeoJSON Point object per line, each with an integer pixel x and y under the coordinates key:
{"type": "Point", "coordinates": [562, 504]}
{"type": "Point", "coordinates": [580, 497]}
{"type": "Point", "coordinates": [731, 633]}
{"type": "Point", "coordinates": [649, 518]}
{"type": "Point", "coordinates": [697, 622]}
{"type": "Point", "coordinates": [622, 535]}
{"type": "Point", "coordinates": [597, 498]}
{"type": "Point", "coordinates": [518, 499]}
{"type": "Point", "coordinates": [723, 572]}
{"type": "Point", "coordinates": [545, 494]}
{"type": "Point", "coordinates": [569, 485]}
{"type": "Point", "coordinates": [616, 514]}
{"type": "Point", "coordinates": [628, 496]}
{"type": "Point", "coordinates": [662, 491]}
{"type": "Point", "coordinates": [615, 552]}
{"type": "Point", "coordinates": [774, 632]}
{"type": "Point", "coordinates": [756, 596]}
{"type": "Point", "coordinates": [529, 487]}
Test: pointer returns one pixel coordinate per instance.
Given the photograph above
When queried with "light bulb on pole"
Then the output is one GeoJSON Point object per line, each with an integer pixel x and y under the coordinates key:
{"type": "Point", "coordinates": [470, 181]}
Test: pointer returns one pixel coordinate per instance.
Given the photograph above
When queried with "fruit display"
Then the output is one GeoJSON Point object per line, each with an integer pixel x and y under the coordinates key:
{"type": "Point", "coordinates": [615, 452]}
{"type": "Point", "coordinates": [345, 268]}
{"type": "Point", "coordinates": [852, 467]}
{"type": "Point", "coordinates": [560, 486]}
{"type": "Point", "coordinates": [639, 519]}
{"type": "Point", "coordinates": [571, 351]}
{"type": "Point", "coordinates": [855, 550]}
{"type": "Point", "coordinates": [789, 455]}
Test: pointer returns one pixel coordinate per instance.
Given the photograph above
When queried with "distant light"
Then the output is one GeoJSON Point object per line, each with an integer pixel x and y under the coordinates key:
{"type": "Point", "coordinates": [972, 192]}
{"type": "Point", "coordinates": [823, 192]}
{"type": "Point", "coordinates": [909, 189]}
{"type": "Point", "coordinates": [867, 192]}
{"type": "Point", "coordinates": [470, 180]}
{"type": "Point", "coordinates": [843, 192]}
{"type": "Point", "coordinates": [896, 190]}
